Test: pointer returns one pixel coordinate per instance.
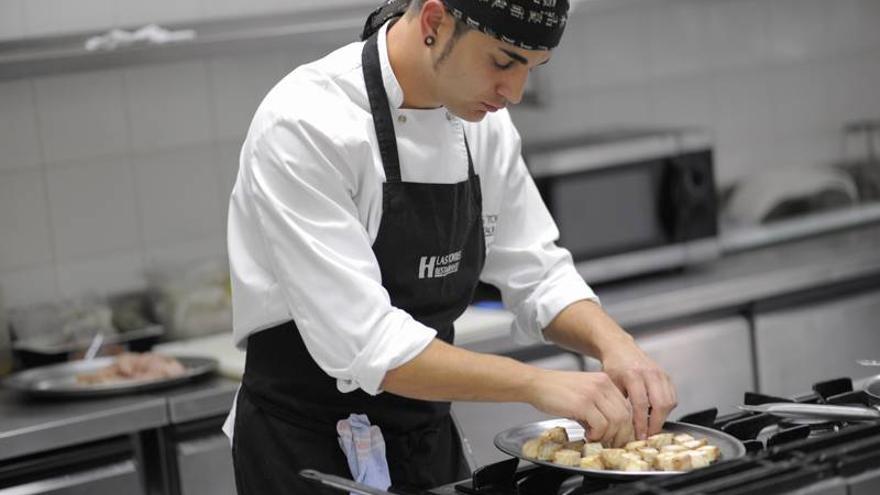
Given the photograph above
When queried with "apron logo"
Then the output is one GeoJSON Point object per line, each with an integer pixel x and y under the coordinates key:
{"type": "Point", "coordinates": [439, 266]}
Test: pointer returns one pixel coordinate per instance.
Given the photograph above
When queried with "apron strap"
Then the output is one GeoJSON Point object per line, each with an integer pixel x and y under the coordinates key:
{"type": "Point", "coordinates": [382, 119]}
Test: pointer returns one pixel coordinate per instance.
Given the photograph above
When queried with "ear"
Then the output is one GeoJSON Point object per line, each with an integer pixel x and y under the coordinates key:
{"type": "Point", "coordinates": [432, 18]}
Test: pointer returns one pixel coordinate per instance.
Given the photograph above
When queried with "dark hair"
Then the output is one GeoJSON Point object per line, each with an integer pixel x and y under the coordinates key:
{"type": "Point", "coordinates": [461, 27]}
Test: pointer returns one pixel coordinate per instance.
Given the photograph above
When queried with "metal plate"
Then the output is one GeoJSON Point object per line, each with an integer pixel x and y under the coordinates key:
{"type": "Point", "coordinates": [872, 387]}
{"type": "Point", "coordinates": [59, 380]}
{"type": "Point", "coordinates": [512, 440]}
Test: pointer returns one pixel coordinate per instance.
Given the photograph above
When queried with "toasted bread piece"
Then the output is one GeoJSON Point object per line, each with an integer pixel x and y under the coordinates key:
{"type": "Point", "coordinates": [612, 458]}
{"type": "Point", "coordinates": [698, 459]}
{"type": "Point", "coordinates": [635, 445]}
{"type": "Point", "coordinates": [567, 457]}
{"type": "Point", "coordinates": [694, 444]}
{"type": "Point", "coordinates": [681, 461]}
{"type": "Point", "coordinates": [682, 438]}
{"type": "Point", "coordinates": [556, 434]}
{"type": "Point", "coordinates": [547, 449]}
{"type": "Point", "coordinates": [663, 461]}
{"type": "Point", "coordinates": [592, 462]}
{"type": "Point", "coordinates": [673, 448]}
{"type": "Point", "coordinates": [592, 448]}
{"type": "Point", "coordinates": [660, 440]}
{"type": "Point", "coordinates": [636, 465]}
{"type": "Point", "coordinates": [712, 452]}
{"type": "Point", "coordinates": [531, 447]}
{"type": "Point", "coordinates": [648, 454]}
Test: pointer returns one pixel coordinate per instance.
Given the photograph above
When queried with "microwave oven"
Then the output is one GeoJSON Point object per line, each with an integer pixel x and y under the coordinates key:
{"type": "Point", "coordinates": [631, 202]}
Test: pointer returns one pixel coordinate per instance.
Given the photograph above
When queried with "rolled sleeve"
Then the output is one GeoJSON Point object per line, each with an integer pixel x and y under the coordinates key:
{"type": "Point", "coordinates": [322, 258]}
{"type": "Point", "coordinates": [536, 277]}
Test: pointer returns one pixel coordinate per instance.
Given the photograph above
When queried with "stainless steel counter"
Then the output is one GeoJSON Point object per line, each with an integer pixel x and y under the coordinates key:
{"type": "Point", "coordinates": [30, 426]}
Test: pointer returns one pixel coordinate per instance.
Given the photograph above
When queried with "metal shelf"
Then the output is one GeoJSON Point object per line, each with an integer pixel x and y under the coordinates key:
{"type": "Point", "coordinates": [64, 54]}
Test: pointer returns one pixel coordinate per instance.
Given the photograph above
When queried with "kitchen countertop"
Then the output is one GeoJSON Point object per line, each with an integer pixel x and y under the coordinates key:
{"type": "Point", "coordinates": [28, 426]}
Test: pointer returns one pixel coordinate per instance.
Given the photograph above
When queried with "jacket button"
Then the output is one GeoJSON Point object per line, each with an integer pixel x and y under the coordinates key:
{"type": "Point", "coordinates": [401, 119]}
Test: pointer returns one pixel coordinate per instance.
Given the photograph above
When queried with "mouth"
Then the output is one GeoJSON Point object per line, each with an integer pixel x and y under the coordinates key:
{"type": "Point", "coordinates": [491, 108]}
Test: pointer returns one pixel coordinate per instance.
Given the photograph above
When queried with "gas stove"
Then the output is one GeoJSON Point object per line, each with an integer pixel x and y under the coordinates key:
{"type": "Point", "coordinates": [784, 456]}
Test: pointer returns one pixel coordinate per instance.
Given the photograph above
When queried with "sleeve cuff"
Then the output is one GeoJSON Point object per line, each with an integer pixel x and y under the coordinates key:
{"type": "Point", "coordinates": [388, 350]}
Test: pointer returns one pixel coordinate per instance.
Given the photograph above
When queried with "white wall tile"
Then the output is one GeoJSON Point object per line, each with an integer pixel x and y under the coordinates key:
{"type": "Point", "coordinates": [675, 38]}
{"type": "Point", "coordinates": [81, 115]}
{"type": "Point", "coordinates": [134, 13]}
{"type": "Point", "coordinates": [736, 33]}
{"type": "Point", "coordinates": [686, 102]}
{"type": "Point", "coordinates": [93, 208]}
{"type": "Point", "coordinates": [186, 253]}
{"type": "Point", "coordinates": [742, 107]}
{"type": "Point", "coordinates": [11, 19]}
{"type": "Point", "coordinates": [239, 84]}
{"type": "Point", "coordinates": [29, 286]}
{"type": "Point", "coordinates": [108, 274]}
{"type": "Point", "coordinates": [168, 105]}
{"type": "Point", "coordinates": [179, 196]}
{"type": "Point", "coordinates": [625, 105]}
{"type": "Point", "coordinates": [227, 162]}
{"type": "Point", "coordinates": [799, 100]}
{"type": "Point", "coordinates": [798, 28]}
{"type": "Point", "coordinates": [805, 150]}
{"type": "Point", "coordinates": [18, 126]}
{"type": "Point", "coordinates": [49, 17]}
{"type": "Point", "coordinates": [608, 48]}
{"type": "Point", "coordinates": [24, 220]}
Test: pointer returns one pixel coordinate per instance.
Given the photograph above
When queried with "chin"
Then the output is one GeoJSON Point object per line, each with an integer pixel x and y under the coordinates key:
{"type": "Point", "coordinates": [469, 115]}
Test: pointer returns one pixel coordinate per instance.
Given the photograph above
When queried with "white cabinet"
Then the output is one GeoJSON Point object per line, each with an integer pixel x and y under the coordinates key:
{"type": "Point", "coordinates": [813, 342]}
{"type": "Point", "coordinates": [479, 422]}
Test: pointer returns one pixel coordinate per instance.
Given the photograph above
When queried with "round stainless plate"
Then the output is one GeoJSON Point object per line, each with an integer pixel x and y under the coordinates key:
{"type": "Point", "coordinates": [59, 380]}
{"type": "Point", "coordinates": [512, 440]}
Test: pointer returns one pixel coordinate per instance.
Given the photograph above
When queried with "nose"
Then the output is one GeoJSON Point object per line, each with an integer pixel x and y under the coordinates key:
{"type": "Point", "coordinates": [512, 86]}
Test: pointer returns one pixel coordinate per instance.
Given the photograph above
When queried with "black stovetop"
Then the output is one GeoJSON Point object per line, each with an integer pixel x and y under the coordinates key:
{"type": "Point", "coordinates": [783, 456]}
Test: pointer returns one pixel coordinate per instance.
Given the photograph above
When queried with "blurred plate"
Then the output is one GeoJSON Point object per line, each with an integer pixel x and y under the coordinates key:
{"type": "Point", "coordinates": [511, 442]}
{"type": "Point", "coordinates": [59, 380]}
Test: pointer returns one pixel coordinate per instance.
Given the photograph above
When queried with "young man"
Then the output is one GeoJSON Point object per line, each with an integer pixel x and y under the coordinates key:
{"type": "Point", "coordinates": [377, 186]}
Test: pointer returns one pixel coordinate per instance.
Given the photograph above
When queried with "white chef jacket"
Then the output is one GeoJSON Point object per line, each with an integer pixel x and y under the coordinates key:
{"type": "Point", "coordinates": [307, 204]}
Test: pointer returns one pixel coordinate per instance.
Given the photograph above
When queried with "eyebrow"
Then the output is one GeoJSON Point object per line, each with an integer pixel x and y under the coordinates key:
{"type": "Point", "coordinates": [519, 58]}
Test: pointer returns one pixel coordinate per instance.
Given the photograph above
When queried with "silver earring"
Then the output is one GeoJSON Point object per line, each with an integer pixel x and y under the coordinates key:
{"type": "Point", "coordinates": [429, 40]}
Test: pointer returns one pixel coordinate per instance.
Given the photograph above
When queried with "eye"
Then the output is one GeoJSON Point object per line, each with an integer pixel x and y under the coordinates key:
{"type": "Point", "coordinates": [501, 66]}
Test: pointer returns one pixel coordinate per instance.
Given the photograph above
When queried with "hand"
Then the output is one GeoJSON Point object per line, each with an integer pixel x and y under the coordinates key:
{"type": "Point", "coordinates": [649, 388]}
{"type": "Point", "coordinates": [591, 399]}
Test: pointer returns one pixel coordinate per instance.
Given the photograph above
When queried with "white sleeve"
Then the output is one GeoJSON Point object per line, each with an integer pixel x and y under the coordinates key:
{"type": "Point", "coordinates": [322, 258]}
{"type": "Point", "coordinates": [536, 277]}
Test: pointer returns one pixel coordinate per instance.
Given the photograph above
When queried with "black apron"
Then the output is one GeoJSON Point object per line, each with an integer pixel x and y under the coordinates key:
{"type": "Point", "coordinates": [430, 249]}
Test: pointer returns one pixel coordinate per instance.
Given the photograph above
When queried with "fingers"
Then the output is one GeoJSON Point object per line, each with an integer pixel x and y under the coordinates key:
{"type": "Point", "coordinates": [597, 424]}
{"type": "Point", "coordinates": [638, 397]}
{"type": "Point", "coordinates": [617, 411]}
{"type": "Point", "coordinates": [663, 400]}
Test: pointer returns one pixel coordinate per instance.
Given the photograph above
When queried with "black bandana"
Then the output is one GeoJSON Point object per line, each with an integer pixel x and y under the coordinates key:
{"type": "Point", "coordinates": [529, 24]}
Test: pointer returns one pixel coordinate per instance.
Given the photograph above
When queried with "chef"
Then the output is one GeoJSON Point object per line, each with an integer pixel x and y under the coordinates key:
{"type": "Point", "coordinates": [376, 187]}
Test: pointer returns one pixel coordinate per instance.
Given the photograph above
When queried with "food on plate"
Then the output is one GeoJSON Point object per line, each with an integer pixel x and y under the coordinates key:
{"type": "Point", "coordinates": [660, 452]}
{"type": "Point", "coordinates": [134, 366]}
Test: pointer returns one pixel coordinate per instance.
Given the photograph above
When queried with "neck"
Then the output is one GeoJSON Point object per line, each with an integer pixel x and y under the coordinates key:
{"type": "Point", "coordinates": [411, 64]}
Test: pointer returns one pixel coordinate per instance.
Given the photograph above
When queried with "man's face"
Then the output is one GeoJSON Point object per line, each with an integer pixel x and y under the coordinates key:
{"type": "Point", "coordinates": [482, 74]}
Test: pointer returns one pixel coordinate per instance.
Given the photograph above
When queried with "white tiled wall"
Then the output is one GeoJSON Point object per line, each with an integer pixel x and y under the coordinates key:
{"type": "Point", "coordinates": [104, 174]}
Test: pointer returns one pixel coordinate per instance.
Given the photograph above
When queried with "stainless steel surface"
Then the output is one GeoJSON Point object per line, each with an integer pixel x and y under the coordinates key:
{"type": "Point", "coordinates": [614, 148]}
{"type": "Point", "coordinates": [871, 386]}
{"type": "Point", "coordinates": [205, 399]}
{"type": "Point", "coordinates": [94, 347]}
{"type": "Point", "coordinates": [210, 454]}
{"type": "Point", "coordinates": [812, 342]}
{"type": "Point", "coordinates": [511, 442]}
{"type": "Point", "coordinates": [341, 484]}
{"type": "Point", "coordinates": [67, 347]}
{"type": "Point", "coordinates": [114, 479]}
{"type": "Point", "coordinates": [868, 362]}
{"type": "Point", "coordinates": [59, 380]}
{"type": "Point", "coordinates": [815, 411]}
{"type": "Point", "coordinates": [5, 340]}
{"type": "Point", "coordinates": [649, 260]}
{"type": "Point", "coordinates": [735, 240]}
{"type": "Point", "coordinates": [31, 426]}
